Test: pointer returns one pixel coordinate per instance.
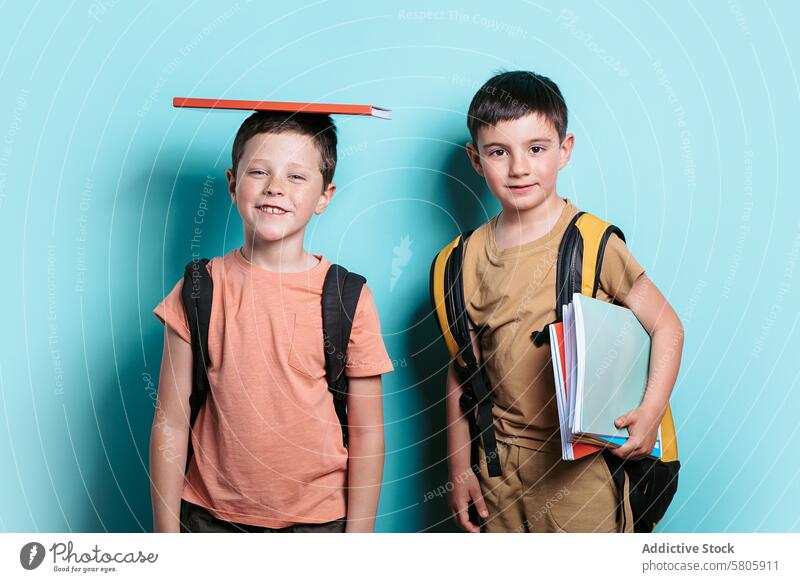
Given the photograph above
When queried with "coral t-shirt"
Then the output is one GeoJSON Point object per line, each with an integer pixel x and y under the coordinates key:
{"type": "Point", "coordinates": [267, 443]}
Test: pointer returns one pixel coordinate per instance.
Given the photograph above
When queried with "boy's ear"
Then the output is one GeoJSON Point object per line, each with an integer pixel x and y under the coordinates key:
{"type": "Point", "coordinates": [325, 198]}
{"type": "Point", "coordinates": [566, 150]}
{"type": "Point", "coordinates": [474, 157]}
{"type": "Point", "coordinates": [231, 184]}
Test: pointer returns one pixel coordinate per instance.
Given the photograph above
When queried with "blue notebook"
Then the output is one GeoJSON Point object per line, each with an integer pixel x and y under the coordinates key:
{"type": "Point", "coordinates": [611, 358]}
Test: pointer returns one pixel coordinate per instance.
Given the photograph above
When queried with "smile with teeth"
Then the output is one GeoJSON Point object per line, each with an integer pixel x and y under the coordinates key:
{"type": "Point", "coordinates": [266, 209]}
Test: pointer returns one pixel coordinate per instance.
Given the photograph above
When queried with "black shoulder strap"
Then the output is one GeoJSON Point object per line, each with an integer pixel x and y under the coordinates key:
{"type": "Point", "coordinates": [569, 269]}
{"type": "Point", "coordinates": [569, 265]}
{"type": "Point", "coordinates": [340, 293]}
{"type": "Point", "coordinates": [197, 292]}
{"type": "Point", "coordinates": [476, 400]}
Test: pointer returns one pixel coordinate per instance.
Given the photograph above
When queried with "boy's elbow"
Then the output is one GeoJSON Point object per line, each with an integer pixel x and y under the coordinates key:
{"type": "Point", "coordinates": [678, 329]}
{"type": "Point", "coordinates": [670, 325]}
{"type": "Point", "coordinates": [367, 436]}
{"type": "Point", "coordinates": [673, 332]}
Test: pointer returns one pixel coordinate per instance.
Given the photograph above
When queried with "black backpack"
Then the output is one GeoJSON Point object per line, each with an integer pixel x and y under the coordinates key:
{"type": "Point", "coordinates": [340, 293]}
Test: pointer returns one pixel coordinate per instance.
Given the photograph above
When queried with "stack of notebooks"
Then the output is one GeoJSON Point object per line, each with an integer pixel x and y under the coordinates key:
{"type": "Point", "coordinates": [601, 356]}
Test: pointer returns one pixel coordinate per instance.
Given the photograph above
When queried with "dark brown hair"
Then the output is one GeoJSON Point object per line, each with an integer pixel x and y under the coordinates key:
{"type": "Point", "coordinates": [319, 127]}
{"type": "Point", "coordinates": [514, 94]}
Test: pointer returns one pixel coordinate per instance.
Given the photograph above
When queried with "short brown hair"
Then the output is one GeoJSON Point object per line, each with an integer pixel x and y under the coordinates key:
{"type": "Point", "coordinates": [319, 127]}
{"type": "Point", "coordinates": [514, 94]}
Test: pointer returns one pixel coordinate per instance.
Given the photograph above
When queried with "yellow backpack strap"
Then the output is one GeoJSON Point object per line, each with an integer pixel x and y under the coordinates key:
{"type": "Point", "coordinates": [669, 440]}
{"type": "Point", "coordinates": [449, 306]}
{"type": "Point", "coordinates": [438, 292]}
{"type": "Point", "coordinates": [595, 233]}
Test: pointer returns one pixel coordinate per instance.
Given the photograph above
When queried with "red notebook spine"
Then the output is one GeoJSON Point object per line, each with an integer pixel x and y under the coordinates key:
{"type": "Point", "coordinates": [330, 108]}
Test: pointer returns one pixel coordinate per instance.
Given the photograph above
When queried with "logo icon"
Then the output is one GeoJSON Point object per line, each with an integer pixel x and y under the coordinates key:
{"type": "Point", "coordinates": [31, 555]}
{"type": "Point", "coordinates": [402, 255]}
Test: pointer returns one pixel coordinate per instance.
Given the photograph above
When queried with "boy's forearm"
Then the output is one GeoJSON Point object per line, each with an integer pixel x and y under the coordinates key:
{"type": "Point", "coordinates": [665, 361]}
{"type": "Point", "coordinates": [458, 437]}
{"type": "Point", "coordinates": [168, 450]}
{"type": "Point", "coordinates": [366, 450]}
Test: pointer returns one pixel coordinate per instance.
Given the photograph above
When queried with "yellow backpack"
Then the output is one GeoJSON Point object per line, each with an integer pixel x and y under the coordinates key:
{"type": "Point", "coordinates": [653, 483]}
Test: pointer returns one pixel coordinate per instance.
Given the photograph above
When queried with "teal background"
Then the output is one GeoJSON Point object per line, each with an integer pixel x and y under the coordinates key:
{"type": "Point", "coordinates": [685, 118]}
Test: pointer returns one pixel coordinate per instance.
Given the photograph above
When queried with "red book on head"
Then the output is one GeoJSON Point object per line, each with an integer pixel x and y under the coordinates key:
{"type": "Point", "coordinates": [291, 107]}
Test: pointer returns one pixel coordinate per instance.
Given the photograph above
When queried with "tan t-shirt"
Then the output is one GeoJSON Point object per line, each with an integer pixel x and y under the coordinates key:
{"type": "Point", "coordinates": [268, 444]}
{"type": "Point", "coordinates": [511, 293]}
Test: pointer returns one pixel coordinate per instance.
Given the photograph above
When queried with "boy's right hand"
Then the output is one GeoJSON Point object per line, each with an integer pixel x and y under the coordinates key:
{"type": "Point", "coordinates": [466, 490]}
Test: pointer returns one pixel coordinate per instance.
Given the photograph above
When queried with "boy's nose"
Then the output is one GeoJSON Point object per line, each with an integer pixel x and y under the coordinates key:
{"type": "Point", "coordinates": [274, 188]}
{"type": "Point", "coordinates": [519, 167]}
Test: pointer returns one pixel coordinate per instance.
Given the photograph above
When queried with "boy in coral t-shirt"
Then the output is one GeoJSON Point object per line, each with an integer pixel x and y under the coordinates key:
{"type": "Point", "coordinates": [268, 450]}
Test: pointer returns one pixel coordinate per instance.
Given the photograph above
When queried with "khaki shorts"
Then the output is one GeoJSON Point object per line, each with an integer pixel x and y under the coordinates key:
{"type": "Point", "coordinates": [541, 493]}
{"type": "Point", "coordinates": [197, 519]}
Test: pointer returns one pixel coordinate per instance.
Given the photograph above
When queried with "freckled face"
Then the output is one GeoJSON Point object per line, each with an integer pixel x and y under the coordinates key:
{"type": "Point", "coordinates": [278, 185]}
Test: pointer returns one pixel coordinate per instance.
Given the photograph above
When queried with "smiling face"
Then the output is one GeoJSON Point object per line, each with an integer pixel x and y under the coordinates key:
{"type": "Point", "coordinates": [520, 160]}
{"type": "Point", "coordinates": [278, 185]}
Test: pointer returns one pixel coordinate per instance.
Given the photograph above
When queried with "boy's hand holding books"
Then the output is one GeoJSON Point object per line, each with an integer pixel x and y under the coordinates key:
{"type": "Point", "coordinates": [642, 423]}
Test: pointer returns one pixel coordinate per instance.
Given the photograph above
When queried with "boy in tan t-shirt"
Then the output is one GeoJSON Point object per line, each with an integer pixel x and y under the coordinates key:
{"type": "Point", "coordinates": [268, 448]}
{"type": "Point", "coordinates": [518, 122]}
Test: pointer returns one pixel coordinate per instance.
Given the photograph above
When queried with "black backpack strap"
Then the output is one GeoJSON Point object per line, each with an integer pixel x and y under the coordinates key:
{"type": "Point", "coordinates": [616, 467]}
{"type": "Point", "coordinates": [197, 293]}
{"type": "Point", "coordinates": [340, 293]}
{"type": "Point", "coordinates": [569, 271]}
{"type": "Point", "coordinates": [568, 275]}
{"type": "Point", "coordinates": [476, 400]}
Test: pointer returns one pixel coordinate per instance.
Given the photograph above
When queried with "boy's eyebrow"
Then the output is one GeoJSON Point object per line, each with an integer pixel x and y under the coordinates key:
{"type": "Point", "coordinates": [265, 161]}
{"type": "Point", "coordinates": [502, 145]}
{"type": "Point", "coordinates": [493, 144]}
